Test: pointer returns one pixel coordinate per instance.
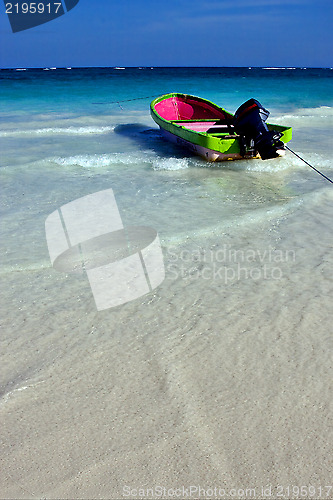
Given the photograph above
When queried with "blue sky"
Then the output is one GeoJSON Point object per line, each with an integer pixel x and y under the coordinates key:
{"type": "Point", "coordinates": [176, 33]}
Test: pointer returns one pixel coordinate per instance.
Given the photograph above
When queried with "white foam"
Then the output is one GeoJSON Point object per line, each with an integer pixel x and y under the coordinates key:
{"type": "Point", "coordinates": [57, 131]}
{"type": "Point", "coordinates": [289, 161]}
{"type": "Point", "coordinates": [86, 161]}
{"type": "Point", "coordinates": [306, 117]}
{"type": "Point", "coordinates": [104, 160]}
{"type": "Point", "coordinates": [278, 68]}
{"type": "Point", "coordinates": [274, 165]}
{"type": "Point", "coordinates": [170, 164]}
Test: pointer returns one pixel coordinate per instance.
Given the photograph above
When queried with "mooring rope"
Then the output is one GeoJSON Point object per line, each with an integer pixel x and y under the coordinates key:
{"type": "Point", "coordinates": [127, 100]}
{"type": "Point", "coordinates": [307, 163]}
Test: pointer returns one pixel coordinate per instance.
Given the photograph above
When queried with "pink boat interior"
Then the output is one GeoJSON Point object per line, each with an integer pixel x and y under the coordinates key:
{"type": "Point", "coordinates": [192, 114]}
{"type": "Point", "coordinates": [185, 108]}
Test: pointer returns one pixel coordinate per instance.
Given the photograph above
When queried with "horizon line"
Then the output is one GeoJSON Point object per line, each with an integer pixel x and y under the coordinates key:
{"type": "Point", "coordinates": [161, 67]}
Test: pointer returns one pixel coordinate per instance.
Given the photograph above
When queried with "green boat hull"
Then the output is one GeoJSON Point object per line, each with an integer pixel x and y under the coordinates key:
{"type": "Point", "coordinates": [213, 144]}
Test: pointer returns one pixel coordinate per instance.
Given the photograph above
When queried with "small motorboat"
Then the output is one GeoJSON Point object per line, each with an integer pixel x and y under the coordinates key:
{"type": "Point", "coordinates": [215, 134]}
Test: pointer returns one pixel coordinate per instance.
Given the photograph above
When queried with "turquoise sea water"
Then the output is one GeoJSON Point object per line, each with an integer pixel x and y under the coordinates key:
{"type": "Point", "coordinates": [81, 128]}
{"type": "Point", "coordinates": [225, 367]}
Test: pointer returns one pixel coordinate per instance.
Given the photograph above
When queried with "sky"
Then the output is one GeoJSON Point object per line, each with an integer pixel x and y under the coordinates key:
{"type": "Point", "coordinates": [292, 33]}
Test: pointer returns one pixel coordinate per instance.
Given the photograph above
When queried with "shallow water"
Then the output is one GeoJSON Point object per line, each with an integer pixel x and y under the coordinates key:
{"type": "Point", "coordinates": [220, 377]}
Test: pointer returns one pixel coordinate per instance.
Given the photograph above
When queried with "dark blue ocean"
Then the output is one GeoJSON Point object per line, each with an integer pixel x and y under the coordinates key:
{"type": "Point", "coordinates": [78, 89]}
{"type": "Point", "coordinates": [226, 365]}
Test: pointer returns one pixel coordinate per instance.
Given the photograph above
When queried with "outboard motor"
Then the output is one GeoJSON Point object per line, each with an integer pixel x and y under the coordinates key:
{"type": "Point", "coordinates": [249, 122]}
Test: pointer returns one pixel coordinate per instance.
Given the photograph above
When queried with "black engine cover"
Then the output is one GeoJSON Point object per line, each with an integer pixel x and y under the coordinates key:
{"type": "Point", "coordinates": [249, 122]}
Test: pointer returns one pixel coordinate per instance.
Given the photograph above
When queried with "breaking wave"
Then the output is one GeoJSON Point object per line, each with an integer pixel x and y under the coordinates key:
{"type": "Point", "coordinates": [94, 161]}
{"type": "Point", "coordinates": [57, 131]}
{"type": "Point", "coordinates": [105, 160]}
